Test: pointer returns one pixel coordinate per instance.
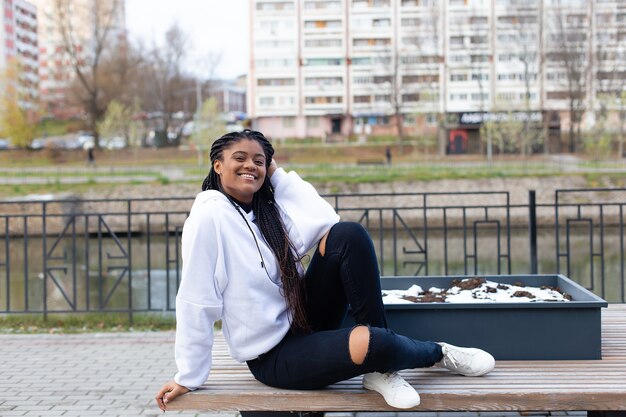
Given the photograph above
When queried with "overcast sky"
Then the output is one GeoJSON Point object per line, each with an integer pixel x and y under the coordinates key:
{"type": "Point", "coordinates": [213, 26]}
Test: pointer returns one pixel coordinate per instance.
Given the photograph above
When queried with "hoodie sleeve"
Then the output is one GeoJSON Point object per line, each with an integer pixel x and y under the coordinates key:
{"type": "Point", "coordinates": [199, 298]}
{"type": "Point", "coordinates": [306, 215]}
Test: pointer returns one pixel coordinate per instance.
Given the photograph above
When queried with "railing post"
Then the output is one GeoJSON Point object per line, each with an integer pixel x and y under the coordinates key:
{"type": "Point", "coordinates": [45, 265]}
{"type": "Point", "coordinates": [130, 260]}
{"type": "Point", "coordinates": [532, 231]}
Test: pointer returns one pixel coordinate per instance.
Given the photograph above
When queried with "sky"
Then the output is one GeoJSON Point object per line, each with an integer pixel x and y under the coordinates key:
{"type": "Point", "coordinates": [213, 27]}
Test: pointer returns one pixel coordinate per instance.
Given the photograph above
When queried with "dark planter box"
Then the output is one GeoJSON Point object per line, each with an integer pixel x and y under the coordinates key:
{"type": "Point", "coordinates": [509, 331]}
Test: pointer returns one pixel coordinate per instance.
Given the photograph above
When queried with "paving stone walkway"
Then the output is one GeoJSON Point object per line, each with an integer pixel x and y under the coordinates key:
{"type": "Point", "coordinates": [107, 374]}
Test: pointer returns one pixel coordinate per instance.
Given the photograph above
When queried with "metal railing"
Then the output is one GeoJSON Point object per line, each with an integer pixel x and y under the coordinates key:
{"type": "Point", "coordinates": [123, 255]}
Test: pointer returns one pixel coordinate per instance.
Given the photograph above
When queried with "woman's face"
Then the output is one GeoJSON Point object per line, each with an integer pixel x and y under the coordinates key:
{"type": "Point", "coordinates": [242, 169]}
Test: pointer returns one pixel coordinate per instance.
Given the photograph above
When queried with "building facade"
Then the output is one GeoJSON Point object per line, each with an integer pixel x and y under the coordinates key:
{"type": "Point", "coordinates": [415, 67]}
{"type": "Point", "coordinates": [18, 46]}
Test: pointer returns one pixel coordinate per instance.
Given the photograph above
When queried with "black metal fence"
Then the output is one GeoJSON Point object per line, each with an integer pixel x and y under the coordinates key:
{"type": "Point", "coordinates": [124, 255]}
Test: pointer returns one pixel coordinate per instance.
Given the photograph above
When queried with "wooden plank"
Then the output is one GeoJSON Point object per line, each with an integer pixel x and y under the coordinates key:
{"type": "Point", "coordinates": [512, 386]}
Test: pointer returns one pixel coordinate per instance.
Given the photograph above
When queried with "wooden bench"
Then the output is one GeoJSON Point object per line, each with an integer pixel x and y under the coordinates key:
{"type": "Point", "coordinates": [597, 386]}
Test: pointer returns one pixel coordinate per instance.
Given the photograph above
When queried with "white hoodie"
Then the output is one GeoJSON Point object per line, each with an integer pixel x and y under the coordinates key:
{"type": "Point", "coordinates": [222, 276]}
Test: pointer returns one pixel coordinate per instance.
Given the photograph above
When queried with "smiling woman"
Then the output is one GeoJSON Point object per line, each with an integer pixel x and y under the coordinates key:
{"type": "Point", "coordinates": [242, 247]}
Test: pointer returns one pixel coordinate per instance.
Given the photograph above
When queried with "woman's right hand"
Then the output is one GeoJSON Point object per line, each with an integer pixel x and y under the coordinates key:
{"type": "Point", "coordinates": [273, 167]}
{"type": "Point", "coordinates": [168, 392]}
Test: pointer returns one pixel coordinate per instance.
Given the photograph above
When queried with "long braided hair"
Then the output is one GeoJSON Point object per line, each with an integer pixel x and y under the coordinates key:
{"type": "Point", "coordinates": [270, 223]}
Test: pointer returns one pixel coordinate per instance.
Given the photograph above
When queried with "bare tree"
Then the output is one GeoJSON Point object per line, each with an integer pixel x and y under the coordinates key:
{"type": "Point", "coordinates": [569, 48]}
{"type": "Point", "coordinates": [417, 46]}
{"type": "Point", "coordinates": [87, 30]}
{"type": "Point", "coordinates": [165, 78]}
{"type": "Point", "coordinates": [525, 30]}
{"type": "Point", "coordinates": [610, 79]}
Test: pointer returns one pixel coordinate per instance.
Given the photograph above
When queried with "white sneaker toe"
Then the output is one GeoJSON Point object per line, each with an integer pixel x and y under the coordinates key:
{"type": "Point", "coordinates": [394, 389]}
{"type": "Point", "coordinates": [466, 361]}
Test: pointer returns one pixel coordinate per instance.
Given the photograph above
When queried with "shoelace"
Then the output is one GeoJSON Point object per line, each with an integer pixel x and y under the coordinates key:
{"type": "Point", "coordinates": [395, 380]}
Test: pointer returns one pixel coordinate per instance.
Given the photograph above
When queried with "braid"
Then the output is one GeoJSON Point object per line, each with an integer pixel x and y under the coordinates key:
{"type": "Point", "coordinates": [270, 224]}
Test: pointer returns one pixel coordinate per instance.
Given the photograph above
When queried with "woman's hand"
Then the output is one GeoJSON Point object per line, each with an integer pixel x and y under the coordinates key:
{"type": "Point", "coordinates": [168, 392]}
{"type": "Point", "coordinates": [273, 167]}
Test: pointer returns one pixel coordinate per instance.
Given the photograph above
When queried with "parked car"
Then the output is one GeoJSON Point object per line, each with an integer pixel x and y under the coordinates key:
{"type": "Point", "coordinates": [4, 144]}
{"type": "Point", "coordinates": [37, 144]}
{"type": "Point", "coordinates": [116, 142]}
{"type": "Point", "coordinates": [85, 140]}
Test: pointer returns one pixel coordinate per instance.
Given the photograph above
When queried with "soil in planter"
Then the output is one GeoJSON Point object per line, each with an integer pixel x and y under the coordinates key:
{"type": "Point", "coordinates": [476, 290]}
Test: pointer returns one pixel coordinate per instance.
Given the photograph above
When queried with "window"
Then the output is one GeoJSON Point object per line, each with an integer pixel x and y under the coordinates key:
{"type": "Point", "coordinates": [323, 81]}
{"type": "Point", "coordinates": [322, 43]}
{"type": "Point", "coordinates": [409, 120]}
{"type": "Point", "coordinates": [363, 60]}
{"type": "Point", "coordinates": [408, 98]}
{"type": "Point", "coordinates": [458, 96]}
{"type": "Point", "coordinates": [457, 40]}
{"type": "Point", "coordinates": [381, 23]}
{"type": "Point", "coordinates": [373, 120]}
{"type": "Point", "coordinates": [323, 100]}
{"type": "Point", "coordinates": [275, 82]}
{"type": "Point", "coordinates": [289, 121]}
{"type": "Point", "coordinates": [478, 20]}
{"type": "Point", "coordinates": [266, 101]}
{"type": "Point", "coordinates": [479, 58]}
{"type": "Point", "coordinates": [285, 5]}
{"type": "Point", "coordinates": [478, 39]}
{"type": "Point", "coordinates": [331, 4]}
{"type": "Point", "coordinates": [382, 79]}
{"type": "Point", "coordinates": [423, 78]}
{"type": "Point", "coordinates": [372, 42]}
{"type": "Point", "coordinates": [362, 99]}
{"type": "Point", "coordinates": [275, 63]}
{"type": "Point", "coordinates": [553, 76]}
{"type": "Point", "coordinates": [286, 101]}
{"type": "Point", "coordinates": [458, 77]}
{"type": "Point", "coordinates": [272, 25]}
{"type": "Point", "coordinates": [558, 95]}
{"type": "Point", "coordinates": [322, 24]}
{"type": "Point", "coordinates": [480, 77]}
{"type": "Point", "coordinates": [321, 62]}
{"type": "Point", "coordinates": [480, 96]}
{"type": "Point", "coordinates": [410, 22]}
{"type": "Point", "coordinates": [312, 121]}
{"type": "Point", "coordinates": [271, 44]}
{"type": "Point", "coordinates": [382, 98]}
{"type": "Point", "coordinates": [506, 96]}
{"type": "Point", "coordinates": [459, 58]}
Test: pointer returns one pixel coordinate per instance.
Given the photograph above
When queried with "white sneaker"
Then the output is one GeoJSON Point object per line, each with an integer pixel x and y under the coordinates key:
{"type": "Point", "coordinates": [466, 361]}
{"type": "Point", "coordinates": [394, 389]}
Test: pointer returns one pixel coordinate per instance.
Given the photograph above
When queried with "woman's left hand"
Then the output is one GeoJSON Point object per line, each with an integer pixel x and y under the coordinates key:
{"type": "Point", "coordinates": [168, 392]}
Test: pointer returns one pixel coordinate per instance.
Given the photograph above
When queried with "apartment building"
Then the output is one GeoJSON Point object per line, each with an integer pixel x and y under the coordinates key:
{"type": "Point", "coordinates": [324, 67]}
{"type": "Point", "coordinates": [18, 46]}
{"type": "Point", "coordinates": [56, 70]}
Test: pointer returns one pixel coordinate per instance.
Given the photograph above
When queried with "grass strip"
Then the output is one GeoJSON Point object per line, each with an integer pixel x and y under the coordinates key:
{"type": "Point", "coordinates": [85, 323]}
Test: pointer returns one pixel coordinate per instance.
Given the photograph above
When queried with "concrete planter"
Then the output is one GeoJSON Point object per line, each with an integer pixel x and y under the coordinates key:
{"type": "Point", "coordinates": [509, 331]}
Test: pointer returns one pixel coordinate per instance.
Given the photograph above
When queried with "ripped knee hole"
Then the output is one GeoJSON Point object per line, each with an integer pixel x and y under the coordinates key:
{"type": "Point", "coordinates": [359, 344]}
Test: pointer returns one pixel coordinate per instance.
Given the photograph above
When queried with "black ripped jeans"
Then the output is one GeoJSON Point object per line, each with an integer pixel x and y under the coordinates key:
{"type": "Point", "coordinates": [347, 274]}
